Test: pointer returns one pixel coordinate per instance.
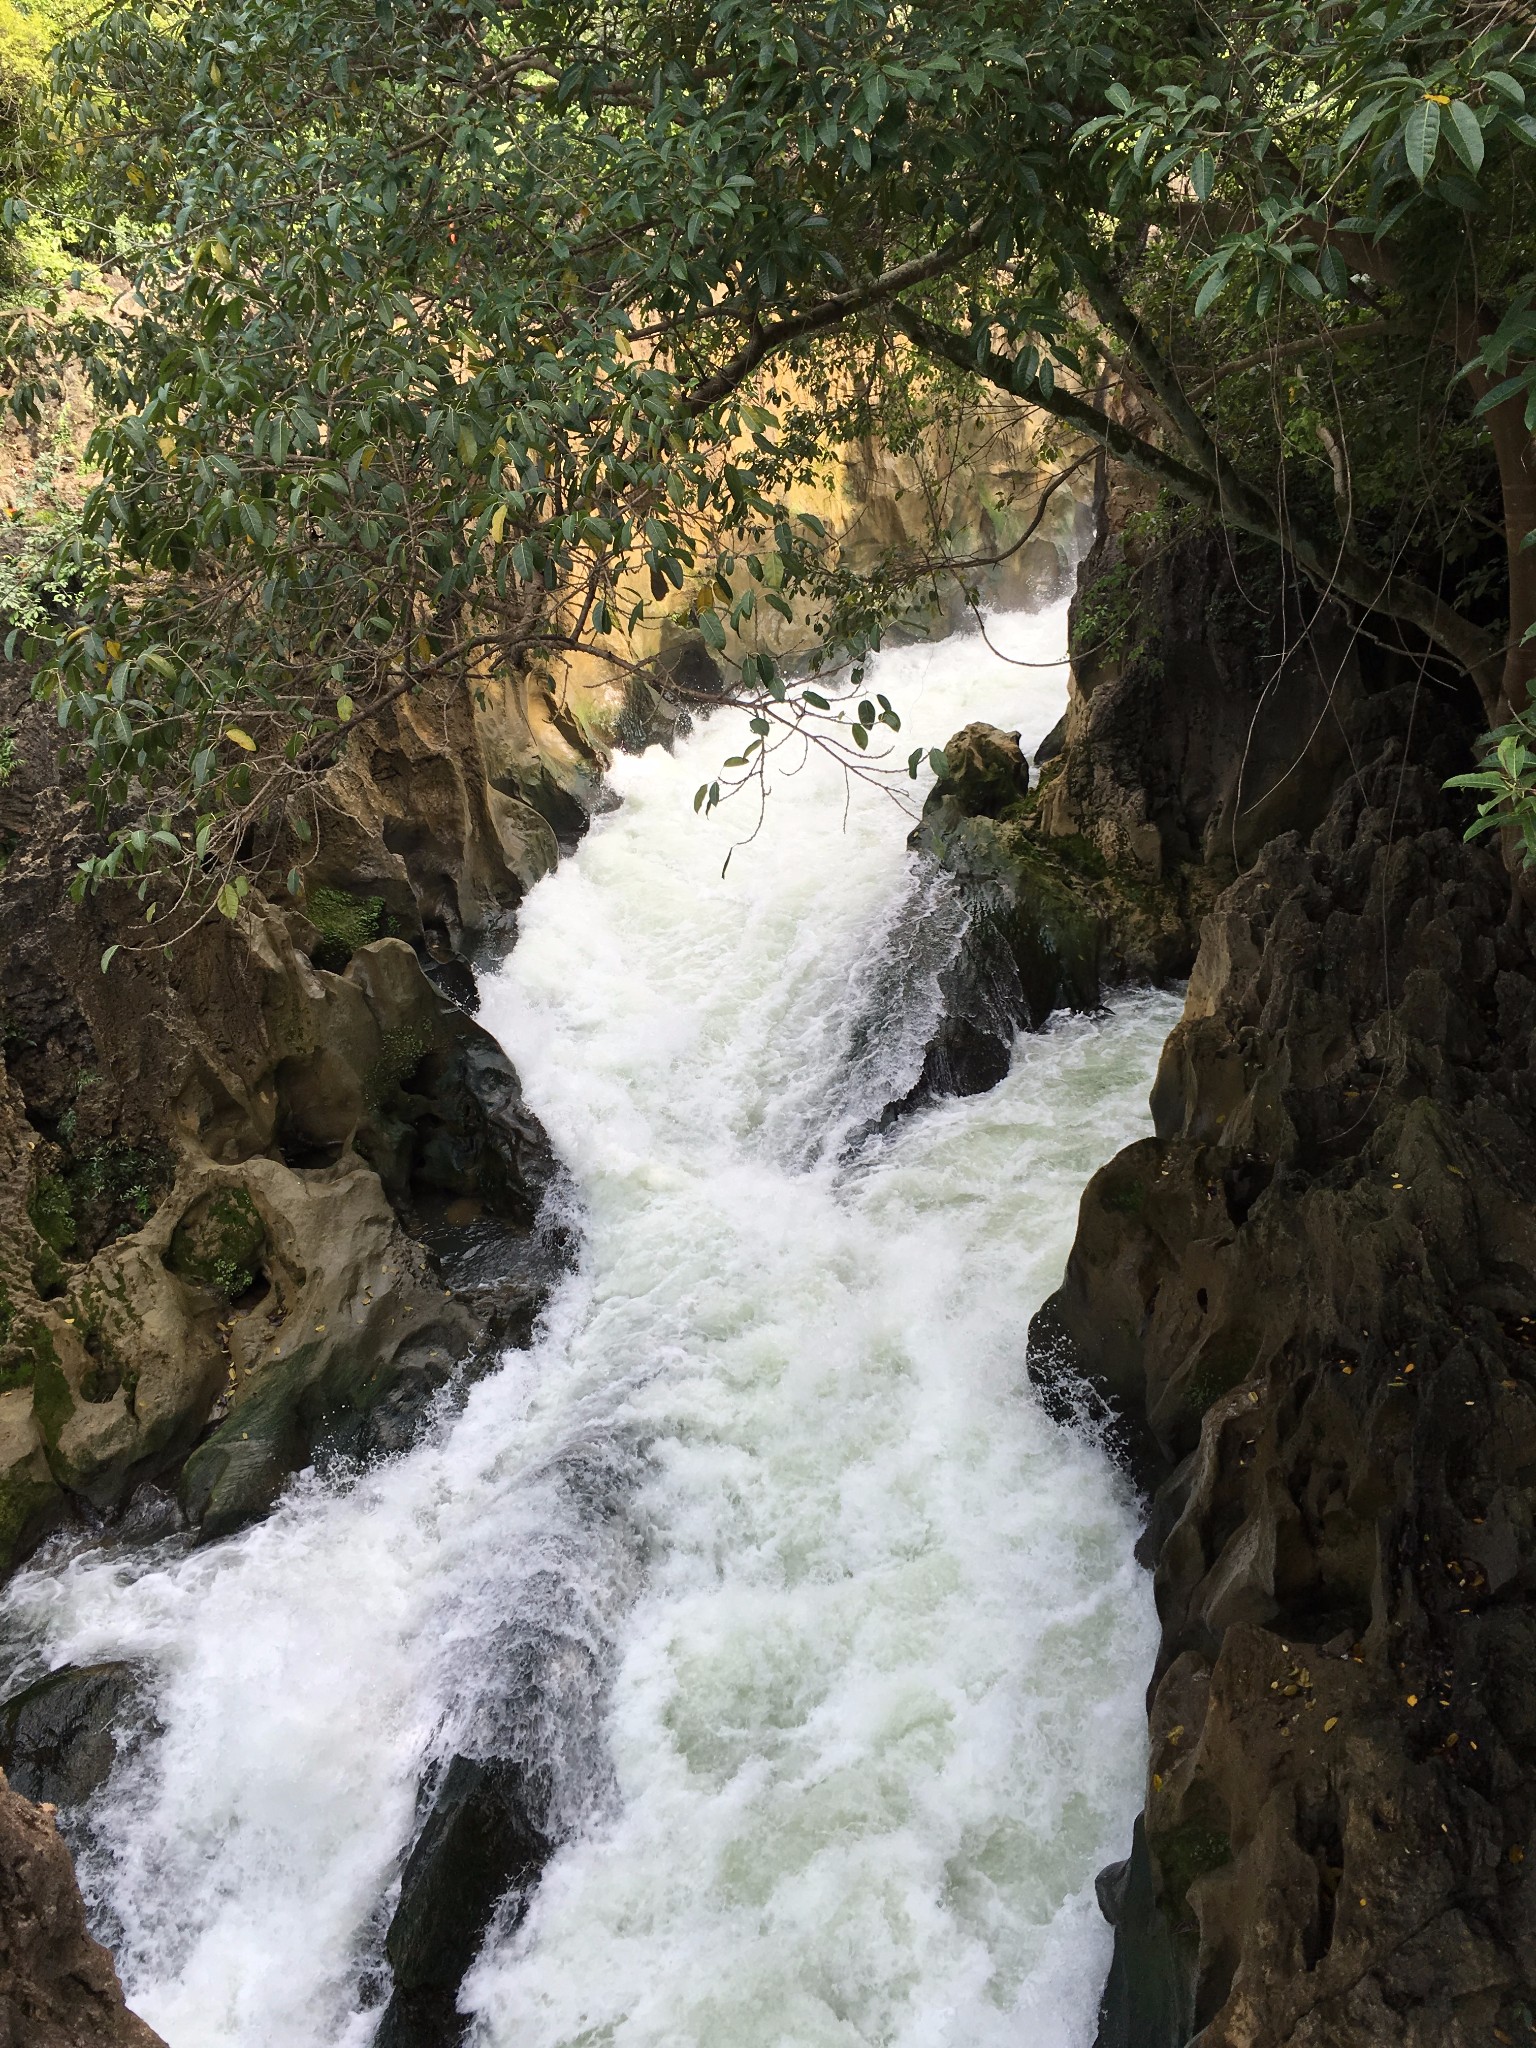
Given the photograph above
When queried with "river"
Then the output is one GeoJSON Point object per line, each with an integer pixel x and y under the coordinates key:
{"type": "Point", "coordinates": [830, 1641]}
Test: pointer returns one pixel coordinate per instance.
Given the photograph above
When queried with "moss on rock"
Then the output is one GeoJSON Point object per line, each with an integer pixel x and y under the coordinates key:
{"type": "Point", "coordinates": [344, 922]}
{"type": "Point", "coordinates": [219, 1243]}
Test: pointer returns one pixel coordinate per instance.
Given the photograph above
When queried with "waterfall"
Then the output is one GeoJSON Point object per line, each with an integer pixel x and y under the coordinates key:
{"type": "Point", "coordinates": [826, 1640]}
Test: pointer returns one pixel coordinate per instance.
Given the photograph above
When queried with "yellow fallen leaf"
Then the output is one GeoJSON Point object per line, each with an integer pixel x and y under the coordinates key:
{"type": "Point", "coordinates": [1331, 1722]}
{"type": "Point", "coordinates": [241, 738]}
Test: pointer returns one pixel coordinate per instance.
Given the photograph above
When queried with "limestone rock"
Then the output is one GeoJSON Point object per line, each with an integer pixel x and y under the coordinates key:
{"type": "Point", "coordinates": [58, 1988]}
{"type": "Point", "coordinates": [1308, 1295]}
{"type": "Point", "coordinates": [31, 1499]}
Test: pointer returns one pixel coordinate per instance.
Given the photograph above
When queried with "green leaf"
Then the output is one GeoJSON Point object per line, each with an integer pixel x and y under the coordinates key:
{"type": "Point", "coordinates": [1202, 174]}
{"type": "Point", "coordinates": [1211, 291]}
{"type": "Point", "coordinates": [1421, 136]}
{"type": "Point", "coordinates": [1466, 137]}
{"type": "Point", "coordinates": [1506, 87]}
{"type": "Point", "coordinates": [815, 698]}
{"type": "Point", "coordinates": [106, 962]}
{"type": "Point", "coordinates": [228, 901]}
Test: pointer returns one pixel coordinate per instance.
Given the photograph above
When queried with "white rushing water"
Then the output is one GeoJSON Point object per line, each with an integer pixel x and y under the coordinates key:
{"type": "Point", "coordinates": [861, 1625]}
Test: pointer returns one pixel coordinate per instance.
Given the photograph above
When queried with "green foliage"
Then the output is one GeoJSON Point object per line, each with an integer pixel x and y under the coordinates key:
{"type": "Point", "coordinates": [219, 1243]}
{"type": "Point", "coordinates": [93, 1195]}
{"type": "Point", "coordinates": [37, 218]}
{"type": "Point", "coordinates": [1105, 615]}
{"type": "Point", "coordinates": [470, 335]}
{"type": "Point", "coordinates": [52, 1212]}
{"type": "Point", "coordinates": [38, 573]}
{"type": "Point", "coordinates": [1506, 779]}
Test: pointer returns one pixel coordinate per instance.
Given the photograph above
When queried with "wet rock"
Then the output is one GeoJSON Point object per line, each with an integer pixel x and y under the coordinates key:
{"type": "Point", "coordinates": [1310, 1291]}
{"type": "Point", "coordinates": [1145, 2002]}
{"type": "Point", "coordinates": [480, 1843]}
{"type": "Point", "coordinates": [985, 773]}
{"type": "Point", "coordinates": [1031, 943]}
{"type": "Point", "coordinates": [368, 1333]}
{"type": "Point", "coordinates": [58, 1988]}
{"type": "Point", "coordinates": [1053, 745]}
{"type": "Point", "coordinates": [58, 1736]}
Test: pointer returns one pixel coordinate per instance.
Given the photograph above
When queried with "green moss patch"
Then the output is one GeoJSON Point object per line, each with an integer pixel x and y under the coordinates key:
{"type": "Point", "coordinates": [344, 923]}
{"type": "Point", "coordinates": [107, 1191]}
{"type": "Point", "coordinates": [52, 1402]}
{"type": "Point", "coordinates": [1184, 1854]}
{"type": "Point", "coordinates": [219, 1243]}
{"type": "Point", "coordinates": [402, 1052]}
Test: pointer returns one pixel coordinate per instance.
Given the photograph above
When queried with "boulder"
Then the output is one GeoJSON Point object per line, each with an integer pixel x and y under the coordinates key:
{"type": "Point", "coordinates": [480, 1842]}
{"type": "Point", "coordinates": [58, 1738]}
{"type": "Point", "coordinates": [1031, 938]}
{"type": "Point", "coordinates": [58, 1988]}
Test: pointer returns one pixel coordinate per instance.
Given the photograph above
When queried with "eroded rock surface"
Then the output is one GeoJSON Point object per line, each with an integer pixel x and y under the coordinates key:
{"type": "Point", "coordinates": [1309, 1298]}
{"type": "Point", "coordinates": [58, 1988]}
{"type": "Point", "coordinates": [261, 1193]}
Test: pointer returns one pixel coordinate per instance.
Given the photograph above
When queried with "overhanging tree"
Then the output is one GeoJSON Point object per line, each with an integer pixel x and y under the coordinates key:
{"type": "Point", "coordinates": [457, 318]}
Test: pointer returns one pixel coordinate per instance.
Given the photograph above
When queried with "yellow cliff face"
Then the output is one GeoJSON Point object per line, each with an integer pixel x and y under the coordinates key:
{"type": "Point", "coordinates": [962, 501]}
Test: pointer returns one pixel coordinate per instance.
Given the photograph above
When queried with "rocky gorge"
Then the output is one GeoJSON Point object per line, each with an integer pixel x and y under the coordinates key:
{"type": "Point", "coordinates": [1302, 1310]}
{"type": "Point", "coordinates": [267, 1197]}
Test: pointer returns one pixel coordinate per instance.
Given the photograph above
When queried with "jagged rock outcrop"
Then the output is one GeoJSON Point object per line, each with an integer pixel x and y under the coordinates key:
{"type": "Point", "coordinates": [1032, 936]}
{"type": "Point", "coordinates": [262, 1191]}
{"type": "Point", "coordinates": [58, 1988]}
{"type": "Point", "coordinates": [1306, 1302]}
{"type": "Point", "coordinates": [1206, 715]}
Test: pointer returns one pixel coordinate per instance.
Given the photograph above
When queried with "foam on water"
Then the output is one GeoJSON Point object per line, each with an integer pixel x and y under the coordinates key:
{"type": "Point", "coordinates": [831, 1639]}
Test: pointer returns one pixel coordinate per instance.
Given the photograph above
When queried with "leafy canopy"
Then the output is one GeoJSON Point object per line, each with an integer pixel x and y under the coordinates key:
{"type": "Point", "coordinates": [468, 333]}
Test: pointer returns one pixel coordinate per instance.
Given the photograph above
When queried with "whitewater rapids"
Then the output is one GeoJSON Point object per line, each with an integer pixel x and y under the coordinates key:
{"type": "Point", "coordinates": [837, 1647]}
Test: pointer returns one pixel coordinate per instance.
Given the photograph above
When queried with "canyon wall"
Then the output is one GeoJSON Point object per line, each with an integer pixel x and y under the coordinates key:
{"type": "Point", "coordinates": [1301, 1312]}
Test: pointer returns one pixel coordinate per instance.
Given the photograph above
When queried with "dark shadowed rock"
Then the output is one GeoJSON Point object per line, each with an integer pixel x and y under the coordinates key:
{"type": "Point", "coordinates": [58, 1737]}
{"type": "Point", "coordinates": [1145, 2003]}
{"type": "Point", "coordinates": [479, 1844]}
{"type": "Point", "coordinates": [1032, 937]}
{"type": "Point", "coordinates": [1311, 1290]}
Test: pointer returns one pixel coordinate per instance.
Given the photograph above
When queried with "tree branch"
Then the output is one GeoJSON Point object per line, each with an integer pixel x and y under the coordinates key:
{"type": "Point", "coordinates": [1216, 484]}
{"type": "Point", "coordinates": [827, 313]}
